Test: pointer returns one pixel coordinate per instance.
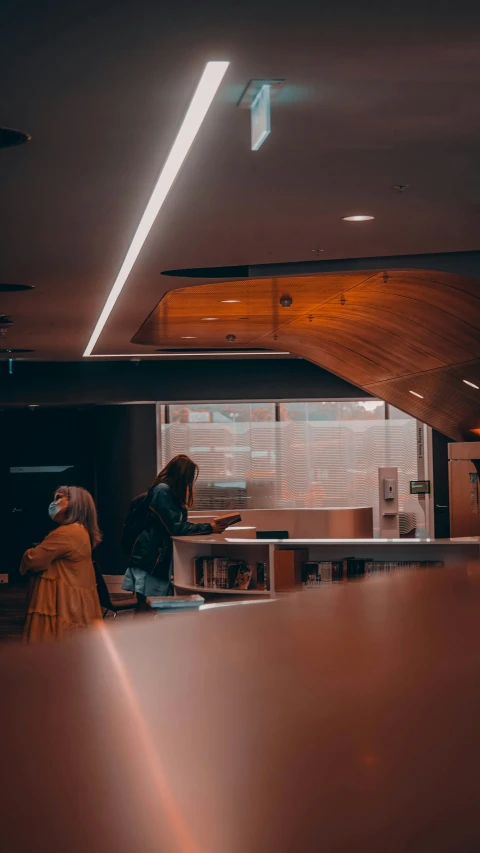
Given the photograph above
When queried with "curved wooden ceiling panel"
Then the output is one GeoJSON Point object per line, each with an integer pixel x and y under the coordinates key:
{"type": "Point", "coordinates": [389, 333]}
{"type": "Point", "coordinates": [407, 328]}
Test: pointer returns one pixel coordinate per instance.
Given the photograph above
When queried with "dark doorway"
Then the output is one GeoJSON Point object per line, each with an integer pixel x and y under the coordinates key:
{"type": "Point", "coordinates": [109, 450]}
{"type": "Point", "coordinates": [440, 485]}
{"type": "Point", "coordinates": [39, 451]}
{"type": "Point", "coordinates": [30, 493]}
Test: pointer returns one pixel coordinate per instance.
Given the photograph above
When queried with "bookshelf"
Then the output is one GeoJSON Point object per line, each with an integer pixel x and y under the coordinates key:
{"type": "Point", "coordinates": [187, 550]}
{"type": "Point", "coordinates": [377, 554]}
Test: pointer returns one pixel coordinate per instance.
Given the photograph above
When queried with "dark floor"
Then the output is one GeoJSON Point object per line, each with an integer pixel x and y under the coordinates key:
{"type": "Point", "coordinates": [13, 606]}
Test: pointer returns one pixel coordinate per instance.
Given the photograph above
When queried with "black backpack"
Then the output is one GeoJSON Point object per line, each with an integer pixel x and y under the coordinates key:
{"type": "Point", "coordinates": [135, 522]}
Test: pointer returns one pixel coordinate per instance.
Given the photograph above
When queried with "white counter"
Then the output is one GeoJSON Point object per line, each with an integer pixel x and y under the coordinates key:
{"type": "Point", "coordinates": [232, 540]}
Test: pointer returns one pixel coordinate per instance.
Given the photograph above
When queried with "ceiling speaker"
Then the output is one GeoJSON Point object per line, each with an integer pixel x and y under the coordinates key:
{"type": "Point", "coordinates": [14, 351]}
{"type": "Point", "coordinates": [14, 288]}
{"type": "Point", "coordinates": [10, 137]}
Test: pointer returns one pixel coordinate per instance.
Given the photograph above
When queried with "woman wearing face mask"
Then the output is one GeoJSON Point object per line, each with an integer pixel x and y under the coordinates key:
{"type": "Point", "coordinates": [63, 595]}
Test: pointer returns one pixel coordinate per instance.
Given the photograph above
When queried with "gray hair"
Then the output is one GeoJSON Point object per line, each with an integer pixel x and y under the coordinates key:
{"type": "Point", "coordinates": [82, 510]}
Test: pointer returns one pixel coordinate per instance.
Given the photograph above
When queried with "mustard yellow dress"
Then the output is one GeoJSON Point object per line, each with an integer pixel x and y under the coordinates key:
{"type": "Point", "coordinates": [63, 595]}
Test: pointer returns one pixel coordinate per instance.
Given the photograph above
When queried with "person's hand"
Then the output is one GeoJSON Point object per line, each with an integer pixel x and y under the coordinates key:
{"type": "Point", "coordinates": [218, 526]}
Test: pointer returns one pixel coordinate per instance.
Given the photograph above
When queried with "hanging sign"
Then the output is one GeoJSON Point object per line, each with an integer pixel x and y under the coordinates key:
{"type": "Point", "coordinates": [260, 117]}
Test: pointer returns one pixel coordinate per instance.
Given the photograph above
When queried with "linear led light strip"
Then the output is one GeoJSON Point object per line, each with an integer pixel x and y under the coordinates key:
{"type": "Point", "coordinates": [209, 82]}
{"type": "Point", "coordinates": [216, 353]}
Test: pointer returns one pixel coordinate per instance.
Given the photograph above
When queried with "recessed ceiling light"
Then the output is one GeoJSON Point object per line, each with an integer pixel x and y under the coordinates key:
{"type": "Point", "coordinates": [206, 90]}
{"type": "Point", "coordinates": [472, 384]}
{"type": "Point", "coordinates": [230, 301]}
{"type": "Point", "coordinates": [188, 338]}
{"type": "Point", "coordinates": [416, 395]}
{"type": "Point", "coordinates": [359, 217]}
{"type": "Point", "coordinates": [209, 318]}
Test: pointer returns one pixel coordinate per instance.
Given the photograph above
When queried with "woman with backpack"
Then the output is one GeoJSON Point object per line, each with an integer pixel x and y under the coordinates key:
{"type": "Point", "coordinates": [152, 521]}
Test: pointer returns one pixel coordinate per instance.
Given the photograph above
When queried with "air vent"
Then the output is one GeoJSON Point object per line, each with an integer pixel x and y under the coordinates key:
{"type": "Point", "coordinates": [10, 137]}
{"type": "Point", "coordinates": [14, 288]}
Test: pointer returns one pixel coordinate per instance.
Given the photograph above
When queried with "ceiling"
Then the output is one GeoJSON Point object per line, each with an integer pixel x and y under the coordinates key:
{"type": "Point", "coordinates": [410, 337]}
{"type": "Point", "coordinates": [373, 97]}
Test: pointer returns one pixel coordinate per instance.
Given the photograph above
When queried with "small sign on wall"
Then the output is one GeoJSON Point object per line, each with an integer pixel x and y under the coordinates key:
{"type": "Point", "coordinates": [474, 493]}
{"type": "Point", "coordinates": [419, 487]}
{"type": "Point", "coordinates": [420, 442]}
{"type": "Point", "coordinates": [39, 469]}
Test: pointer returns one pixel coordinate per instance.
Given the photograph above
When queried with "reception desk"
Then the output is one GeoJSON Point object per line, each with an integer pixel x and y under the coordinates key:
{"type": "Point", "coordinates": [325, 523]}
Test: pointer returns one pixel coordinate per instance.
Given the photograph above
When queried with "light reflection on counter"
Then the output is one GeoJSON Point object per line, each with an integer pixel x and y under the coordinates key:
{"type": "Point", "coordinates": [218, 540]}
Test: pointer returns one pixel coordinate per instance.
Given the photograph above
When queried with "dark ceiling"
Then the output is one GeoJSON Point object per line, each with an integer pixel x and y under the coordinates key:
{"type": "Point", "coordinates": [374, 96]}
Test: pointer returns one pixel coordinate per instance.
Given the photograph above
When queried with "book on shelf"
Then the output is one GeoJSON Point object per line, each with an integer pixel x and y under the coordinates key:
{"type": "Point", "coordinates": [262, 576]}
{"type": "Point", "coordinates": [337, 570]}
{"type": "Point", "coordinates": [315, 572]}
{"type": "Point", "coordinates": [226, 573]}
{"type": "Point", "coordinates": [199, 571]}
{"type": "Point", "coordinates": [331, 570]}
{"type": "Point", "coordinates": [310, 573]}
{"type": "Point", "coordinates": [209, 572]}
{"type": "Point", "coordinates": [354, 568]}
{"type": "Point", "coordinates": [372, 566]}
{"type": "Point", "coordinates": [244, 576]}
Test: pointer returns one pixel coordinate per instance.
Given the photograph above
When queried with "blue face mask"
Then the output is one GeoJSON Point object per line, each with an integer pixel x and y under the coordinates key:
{"type": "Point", "coordinates": [53, 509]}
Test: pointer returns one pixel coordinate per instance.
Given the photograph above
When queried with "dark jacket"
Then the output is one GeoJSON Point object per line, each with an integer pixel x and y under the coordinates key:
{"type": "Point", "coordinates": [152, 551]}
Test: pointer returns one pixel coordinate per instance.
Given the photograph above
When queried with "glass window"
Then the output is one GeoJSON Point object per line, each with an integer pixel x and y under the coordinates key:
{"type": "Point", "coordinates": [397, 415]}
{"type": "Point", "coordinates": [361, 410]}
{"type": "Point", "coordinates": [318, 454]}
